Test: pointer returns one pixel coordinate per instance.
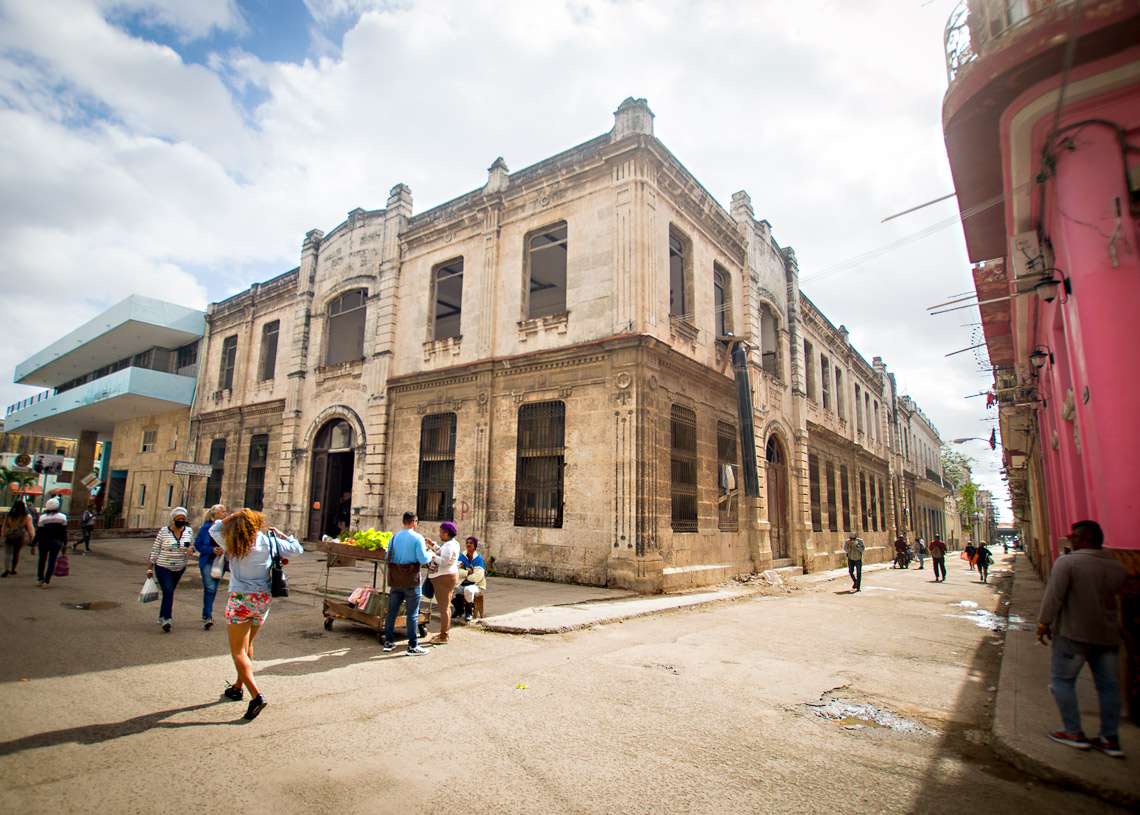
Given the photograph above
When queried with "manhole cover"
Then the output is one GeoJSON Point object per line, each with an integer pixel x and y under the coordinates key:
{"type": "Point", "coordinates": [93, 605]}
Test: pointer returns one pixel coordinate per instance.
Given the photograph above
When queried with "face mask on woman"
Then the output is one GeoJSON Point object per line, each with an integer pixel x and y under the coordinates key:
{"type": "Point", "coordinates": [180, 523]}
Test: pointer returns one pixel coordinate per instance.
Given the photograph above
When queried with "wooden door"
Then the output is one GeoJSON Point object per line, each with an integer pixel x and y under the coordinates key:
{"type": "Point", "coordinates": [777, 472]}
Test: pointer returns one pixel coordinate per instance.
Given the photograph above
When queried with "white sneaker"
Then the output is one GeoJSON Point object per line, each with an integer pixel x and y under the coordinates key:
{"type": "Point", "coordinates": [418, 651]}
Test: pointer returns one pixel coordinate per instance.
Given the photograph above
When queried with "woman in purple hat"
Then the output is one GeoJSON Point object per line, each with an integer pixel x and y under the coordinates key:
{"type": "Point", "coordinates": [444, 572]}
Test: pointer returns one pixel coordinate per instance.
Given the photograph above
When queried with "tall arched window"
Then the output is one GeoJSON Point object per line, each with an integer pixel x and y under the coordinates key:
{"type": "Point", "coordinates": [346, 327]}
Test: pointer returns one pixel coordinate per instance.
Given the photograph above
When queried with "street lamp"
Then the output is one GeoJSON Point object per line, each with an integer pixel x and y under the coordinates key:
{"type": "Point", "coordinates": [972, 438]}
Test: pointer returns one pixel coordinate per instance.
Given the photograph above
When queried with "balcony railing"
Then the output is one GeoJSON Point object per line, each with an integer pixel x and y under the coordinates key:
{"type": "Point", "coordinates": [31, 400]}
{"type": "Point", "coordinates": [973, 24]}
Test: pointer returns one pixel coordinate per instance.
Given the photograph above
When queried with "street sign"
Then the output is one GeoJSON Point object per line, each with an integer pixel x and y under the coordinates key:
{"type": "Point", "coordinates": [89, 480]}
{"type": "Point", "coordinates": [48, 464]}
{"type": "Point", "coordinates": [190, 468]}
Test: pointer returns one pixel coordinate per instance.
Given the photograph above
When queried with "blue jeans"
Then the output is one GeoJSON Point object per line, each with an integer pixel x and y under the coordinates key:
{"type": "Point", "coordinates": [1069, 657]}
{"type": "Point", "coordinates": [209, 590]}
{"type": "Point", "coordinates": [168, 582]}
{"type": "Point", "coordinates": [411, 597]}
{"type": "Point", "coordinates": [855, 569]}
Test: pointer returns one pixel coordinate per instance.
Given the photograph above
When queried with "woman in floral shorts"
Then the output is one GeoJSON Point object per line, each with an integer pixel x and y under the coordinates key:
{"type": "Point", "coordinates": [243, 535]}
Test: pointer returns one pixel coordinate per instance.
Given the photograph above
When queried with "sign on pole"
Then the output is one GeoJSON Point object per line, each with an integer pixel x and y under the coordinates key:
{"type": "Point", "coordinates": [89, 480]}
{"type": "Point", "coordinates": [191, 468]}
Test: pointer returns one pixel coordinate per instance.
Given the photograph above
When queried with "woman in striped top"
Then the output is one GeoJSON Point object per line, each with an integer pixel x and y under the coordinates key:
{"type": "Point", "coordinates": [168, 558]}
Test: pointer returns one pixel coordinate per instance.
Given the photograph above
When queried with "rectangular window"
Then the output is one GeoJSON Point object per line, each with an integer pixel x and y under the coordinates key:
{"type": "Point", "coordinates": [169, 495]}
{"type": "Point", "coordinates": [142, 495]}
{"type": "Point", "coordinates": [872, 509]}
{"type": "Point", "coordinates": [825, 381]}
{"type": "Point", "coordinates": [809, 370]}
{"type": "Point", "coordinates": [149, 441]}
{"type": "Point", "coordinates": [832, 513]}
{"type": "Point", "coordinates": [255, 471]}
{"type": "Point", "coordinates": [187, 355]}
{"type": "Point", "coordinates": [435, 493]}
{"type": "Point", "coordinates": [267, 365]}
{"type": "Point", "coordinates": [546, 255]}
{"type": "Point", "coordinates": [813, 481]}
{"type": "Point", "coordinates": [769, 341]}
{"type": "Point", "coordinates": [680, 275]}
{"type": "Point", "coordinates": [229, 362]}
{"type": "Point", "coordinates": [867, 412]}
{"type": "Point", "coordinates": [447, 294]}
{"type": "Point", "coordinates": [217, 470]}
{"type": "Point", "coordinates": [882, 506]}
{"type": "Point", "coordinates": [858, 408]}
{"type": "Point", "coordinates": [722, 301]}
{"type": "Point", "coordinates": [728, 499]}
{"type": "Point", "coordinates": [540, 464]}
{"type": "Point", "coordinates": [840, 399]}
{"type": "Point", "coordinates": [863, 503]}
{"type": "Point", "coordinates": [875, 421]}
{"type": "Point", "coordinates": [845, 494]}
{"type": "Point", "coordinates": [683, 468]}
{"type": "Point", "coordinates": [346, 327]}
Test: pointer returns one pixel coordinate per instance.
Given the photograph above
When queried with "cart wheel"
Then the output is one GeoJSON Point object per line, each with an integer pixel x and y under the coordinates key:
{"type": "Point", "coordinates": [328, 623]}
{"type": "Point", "coordinates": [422, 629]}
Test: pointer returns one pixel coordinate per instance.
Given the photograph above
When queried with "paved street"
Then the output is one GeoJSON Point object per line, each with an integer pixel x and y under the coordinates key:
{"type": "Point", "coordinates": [698, 710]}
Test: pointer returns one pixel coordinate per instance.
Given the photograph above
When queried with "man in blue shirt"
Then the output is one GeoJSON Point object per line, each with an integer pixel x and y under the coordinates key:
{"type": "Point", "coordinates": [407, 547]}
{"type": "Point", "coordinates": [472, 579]}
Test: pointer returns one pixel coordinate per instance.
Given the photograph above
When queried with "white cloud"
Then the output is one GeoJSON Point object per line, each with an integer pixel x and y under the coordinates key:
{"type": "Point", "coordinates": [190, 18]}
{"type": "Point", "coordinates": [127, 157]}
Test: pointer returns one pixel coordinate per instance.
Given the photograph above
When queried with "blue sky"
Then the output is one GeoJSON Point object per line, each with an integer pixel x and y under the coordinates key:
{"type": "Point", "coordinates": [182, 149]}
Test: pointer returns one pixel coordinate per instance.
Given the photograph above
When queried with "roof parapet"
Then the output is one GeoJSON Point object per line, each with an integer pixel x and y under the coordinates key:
{"type": "Point", "coordinates": [633, 116]}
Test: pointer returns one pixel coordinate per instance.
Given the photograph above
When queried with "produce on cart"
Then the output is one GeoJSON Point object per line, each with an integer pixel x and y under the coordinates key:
{"type": "Point", "coordinates": [366, 606]}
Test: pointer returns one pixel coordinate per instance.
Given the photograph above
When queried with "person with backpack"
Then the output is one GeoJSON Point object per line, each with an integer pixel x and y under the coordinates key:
{"type": "Point", "coordinates": [51, 538]}
{"type": "Point", "coordinates": [86, 527]}
{"type": "Point", "coordinates": [17, 530]}
{"type": "Point", "coordinates": [251, 547]}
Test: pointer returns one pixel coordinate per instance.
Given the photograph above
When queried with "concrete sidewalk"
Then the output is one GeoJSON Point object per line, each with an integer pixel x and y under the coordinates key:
{"type": "Point", "coordinates": [1025, 712]}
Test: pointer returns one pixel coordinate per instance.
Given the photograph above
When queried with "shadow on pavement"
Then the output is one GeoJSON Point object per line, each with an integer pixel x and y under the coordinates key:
{"type": "Point", "coordinates": [99, 733]}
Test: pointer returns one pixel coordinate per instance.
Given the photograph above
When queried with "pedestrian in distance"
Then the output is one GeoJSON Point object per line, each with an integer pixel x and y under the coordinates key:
{"type": "Point", "coordinates": [168, 558]}
{"type": "Point", "coordinates": [250, 546]}
{"type": "Point", "coordinates": [971, 553]}
{"type": "Point", "coordinates": [938, 557]}
{"type": "Point", "coordinates": [920, 550]}
{"type": "Point", "coordinates": [86, 527]}
{"type": "Point", "coordinates": [853, 548]}
{"type": "Point", "coordinates": [407, 553]}
{"type": "Point", "coordinates": [1080, 613]}
{"type": "Point", "coordinates": [444, 573]}
{"type": "Point", "coordinates": [984, 559]}
{"type": "Point", "coordinates": [472, 578]}
{"type": "Point", "coordinates": [901, 549]}
{"type": "Point", "coordinates": [51, 538]}
{"type": "Point", "coordinates": [207, 551]}
{"type": "Point", "coordinates": [17, 530]}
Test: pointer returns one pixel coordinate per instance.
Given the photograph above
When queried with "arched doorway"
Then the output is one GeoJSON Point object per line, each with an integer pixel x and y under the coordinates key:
{"type": "Point", "coordinates": [777, 478]}
{"type": "Point", "coordinates": [330, 492]}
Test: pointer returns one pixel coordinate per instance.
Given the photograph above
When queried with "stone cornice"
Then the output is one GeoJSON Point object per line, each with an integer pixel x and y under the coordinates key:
{"type": "Point", "coordinates": [274, 407]}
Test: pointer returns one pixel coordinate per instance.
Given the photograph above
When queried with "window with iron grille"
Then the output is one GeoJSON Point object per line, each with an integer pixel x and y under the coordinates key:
{"type": "Point", "coordinates": [229, 362]}
{"type": "Point", "coordinates": [728, 499]}
{"type": "Point", "coordinates": [346, 327]}
{"type": "Point", "coordinates": [436, 491]}
{"type": "Point", "coordinates": [267, 365]}
{"type": "Point", "coordinates": [217, 465]}
{"type": "Point", "coordinates": [546, 256]}
{"type": "Point", "coordinates": [863, 502]}
{"type": "Point", "coordinates": [255, 471]}
{"type": "Point", "coordinates": [813, 482]}
{"type": "Point", "coordinates": [832, 514]}
{"type": "Point", "coordinates": [447, 294]}
{"type": "Point", "coordinates": [541, 458]}
{"type": "Point", "coordinates": [683, 468]}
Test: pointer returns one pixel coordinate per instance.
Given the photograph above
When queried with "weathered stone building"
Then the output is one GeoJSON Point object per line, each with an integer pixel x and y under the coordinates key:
{"type": "Point", "coordinates": [546, 360]}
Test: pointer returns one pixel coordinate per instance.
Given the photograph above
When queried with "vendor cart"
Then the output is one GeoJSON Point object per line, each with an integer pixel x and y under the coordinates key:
{"type": "Point", "coordinates": [341, 610]}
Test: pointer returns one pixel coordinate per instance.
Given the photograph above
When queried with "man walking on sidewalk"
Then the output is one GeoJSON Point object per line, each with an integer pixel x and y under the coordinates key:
{"type": "Point", "coordinates": [938, 555]}
{"type": "Point", "coordinates": [853, 548]}
{"type": "Point", "coordinates": [1081, 602]}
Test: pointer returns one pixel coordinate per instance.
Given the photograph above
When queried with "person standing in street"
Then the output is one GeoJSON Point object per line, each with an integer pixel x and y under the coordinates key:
{"type": "Point", "coordinates": [16, 530]}
{"type": "Point", "coordinates": [86, 527]}
{"type": "Point", "coordinates": [853, 548]}
{"type": "Point", "coordinates": [920, 552]}
{"type": "Point", "coordinates": [938, 556]}
{"type": "Point", "coordinates": [250, 547]}
{"type": "Point", "coordinates": [1080, 613]}
{"type": "Point", "coordinates": [51, 538]}
{"type": "Point", "coordinates": [207, 550]}
{"type": "Point", "coordinates": [444, 573]}
{"type": "Point", "coordinates": [984, 558]}
{"type": "Point", "coordinates": [168, 558]}
{"type": "Point", "coordinates": [407, 553]}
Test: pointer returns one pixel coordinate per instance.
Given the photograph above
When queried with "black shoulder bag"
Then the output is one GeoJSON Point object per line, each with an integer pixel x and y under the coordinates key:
{"type": "Point", "coordinates": [278, 581]}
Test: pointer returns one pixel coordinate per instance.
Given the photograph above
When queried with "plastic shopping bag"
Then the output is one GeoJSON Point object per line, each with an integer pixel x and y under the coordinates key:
{"type": "Point", "coordinates": [149, 591]}
{"type": "Point", "coordinates": [62, 566]}
{"type": "Point", "coordinates": [218, 567]}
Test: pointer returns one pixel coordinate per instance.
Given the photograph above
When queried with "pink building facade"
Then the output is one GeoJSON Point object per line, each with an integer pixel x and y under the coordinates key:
{"type": "Point", "coordinates": [1042, 125]}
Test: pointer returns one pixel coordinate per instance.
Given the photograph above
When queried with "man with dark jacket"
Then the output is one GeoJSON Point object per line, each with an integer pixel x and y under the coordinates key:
{"type": "Point", "coordinates": [1079, 611]}
{"type": "Point", "coordinates": [938, 555]}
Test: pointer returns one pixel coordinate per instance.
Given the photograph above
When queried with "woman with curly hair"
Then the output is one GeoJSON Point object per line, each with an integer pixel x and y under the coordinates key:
{"type": "Point", "coordinates": [250, 546]}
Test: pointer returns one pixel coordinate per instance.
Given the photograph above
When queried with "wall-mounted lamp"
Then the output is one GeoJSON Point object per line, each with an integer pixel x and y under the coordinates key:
{"type": "Point", "coordinates": [1040, 356]}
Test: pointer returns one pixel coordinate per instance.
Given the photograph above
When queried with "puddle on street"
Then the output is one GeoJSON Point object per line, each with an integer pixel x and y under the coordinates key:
{"type": "Point", "coordinates": [92, 605]}
{"type": "Point", "coordinates": [988, 620]}
{"type": "Point", "coordinates": [857, 716]}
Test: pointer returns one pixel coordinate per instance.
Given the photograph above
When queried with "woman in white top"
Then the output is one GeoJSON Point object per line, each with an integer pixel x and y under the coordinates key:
{"type": "Point", "coordinates": [168, 556]}
{"type": "Point", "coordinates": [444, 572]}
